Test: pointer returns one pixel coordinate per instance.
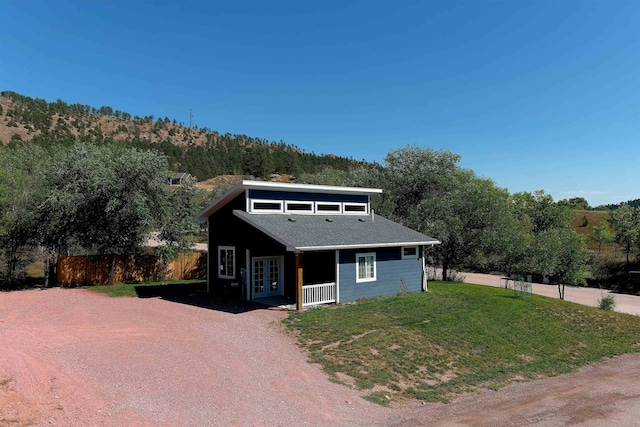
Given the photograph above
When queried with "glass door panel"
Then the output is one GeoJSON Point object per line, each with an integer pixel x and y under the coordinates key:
{"type": "Point", "coordinates": [267, 277]}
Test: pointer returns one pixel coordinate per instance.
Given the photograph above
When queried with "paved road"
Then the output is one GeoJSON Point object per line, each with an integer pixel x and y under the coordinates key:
{"type": "Point", "coordinates": [629, 304]}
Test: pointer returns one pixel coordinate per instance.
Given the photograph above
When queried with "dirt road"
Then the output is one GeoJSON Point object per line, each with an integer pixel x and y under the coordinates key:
{"type": "Point", "coordinates": [71, 357]}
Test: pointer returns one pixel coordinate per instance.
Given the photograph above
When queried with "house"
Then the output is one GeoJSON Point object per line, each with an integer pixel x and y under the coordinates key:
{"type": "Point", "coordinates": [312, 244]}
{"type": "Point", "coordinates": [180, 178]}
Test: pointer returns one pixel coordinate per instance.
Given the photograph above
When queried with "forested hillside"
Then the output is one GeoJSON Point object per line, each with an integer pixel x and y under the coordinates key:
{"type": "Point", "coordinates": [202, 152]}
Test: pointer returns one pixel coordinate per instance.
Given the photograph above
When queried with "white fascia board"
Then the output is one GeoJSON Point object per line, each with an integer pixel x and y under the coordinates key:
{"type": "Point", "coordinates": [366, 246]}
{"type": "Point", "coordinates": [332, 189]}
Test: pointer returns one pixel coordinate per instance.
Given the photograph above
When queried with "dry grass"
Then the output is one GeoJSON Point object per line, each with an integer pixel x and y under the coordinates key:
{"type": "Point", "coordinates": [211, 184]}
{"type": "Point", "coordinates": [608, 250]}
{"type": "Point", "coordinates": [35, 270]}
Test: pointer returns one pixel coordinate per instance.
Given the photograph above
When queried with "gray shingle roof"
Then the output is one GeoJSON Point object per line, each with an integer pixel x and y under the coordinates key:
{"type": "Point", "coordinates": [317, 232]}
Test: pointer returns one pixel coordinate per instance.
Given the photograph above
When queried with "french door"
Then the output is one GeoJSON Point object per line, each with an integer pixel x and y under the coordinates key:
{"type": "Point", "coordinates": [267, 277]}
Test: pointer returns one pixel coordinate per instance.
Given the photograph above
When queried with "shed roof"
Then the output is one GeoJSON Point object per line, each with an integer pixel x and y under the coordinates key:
{"type": "Point", "coordinates": [329, 232]}
{"type": "Point", "coordinates": [180, 175]}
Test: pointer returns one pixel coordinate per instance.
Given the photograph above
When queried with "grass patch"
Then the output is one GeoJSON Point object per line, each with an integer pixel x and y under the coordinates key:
{"type": "Point", "coordinates": [457, 338]}
{"type": "Point", "coordinates": [151, 289]}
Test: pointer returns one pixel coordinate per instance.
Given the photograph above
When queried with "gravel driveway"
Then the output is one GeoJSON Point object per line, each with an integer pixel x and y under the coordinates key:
{"type": "Point", "coordinates": [72, 357]}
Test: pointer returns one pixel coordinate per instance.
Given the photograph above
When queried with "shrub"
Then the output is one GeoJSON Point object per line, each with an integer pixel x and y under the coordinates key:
{"type": "Point", "coordinates": [607, 302]}
{"type": "Point", "coordinates": [455, 276]}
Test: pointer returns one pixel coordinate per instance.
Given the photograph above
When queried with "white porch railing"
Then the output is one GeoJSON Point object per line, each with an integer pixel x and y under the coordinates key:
{"type": "Point", "coordinates": [322, 293]}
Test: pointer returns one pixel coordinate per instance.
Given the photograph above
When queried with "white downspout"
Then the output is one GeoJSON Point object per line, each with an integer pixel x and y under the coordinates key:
{"type": "Point", "coordinates": [424, 270]}
{"type": "Point", "coordinates": [337, 276]}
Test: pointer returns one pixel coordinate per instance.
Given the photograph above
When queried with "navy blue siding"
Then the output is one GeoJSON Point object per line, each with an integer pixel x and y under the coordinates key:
{"type": "Point", "coordinates": [303, 196]}
{"type": "Point", "coordinates": [391, 272]}
{"type": "Point", "coordinates": [227, 230]}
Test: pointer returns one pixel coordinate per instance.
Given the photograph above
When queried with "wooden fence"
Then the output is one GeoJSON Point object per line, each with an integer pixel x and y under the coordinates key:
{"type": "Point", "coordinates": [94, 270]}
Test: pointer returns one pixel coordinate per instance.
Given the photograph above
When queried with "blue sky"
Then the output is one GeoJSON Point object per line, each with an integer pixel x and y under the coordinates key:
{"type": "Point", "coordinates": [532, 94]}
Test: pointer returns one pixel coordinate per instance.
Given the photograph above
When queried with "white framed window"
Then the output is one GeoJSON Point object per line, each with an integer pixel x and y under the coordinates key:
{"type": "Point", "coordinates": [328, 207]}
{"type": "Point", "coordinates": [366, 267]}
{"type": "Point", "coordinates": [226, 262]}
{"type": "Point", "coordinates": [266, 206]}
{"type": "Point", "coordinates": [354, 208]}
{"type": "Point", "coordinates": [410, 252]}
{"type": "Point", "coordinates": [291, 206]}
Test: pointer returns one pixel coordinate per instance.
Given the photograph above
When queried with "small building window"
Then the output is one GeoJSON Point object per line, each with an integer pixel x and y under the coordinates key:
{"type": "Point", "coordinates": [328, 207]}
{"type": "Point", "coordinates": [366, 267]}
{"type": "Point", "coordinates": [226, 262]}
{"type": "Point", "coordinates": [355, 208]}
{"type": "Point", "coordinates": [266, 206]}
{"type": "Point", "coordinates": [299, 207]}
{"type": "Point", "coordinates": [410, 252]}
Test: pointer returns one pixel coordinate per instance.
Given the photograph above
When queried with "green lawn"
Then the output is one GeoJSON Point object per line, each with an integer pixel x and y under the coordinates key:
{"type": "Point", "coordinates": [457, 338]}
{"type": "Point", "coordinates": [151, 289]}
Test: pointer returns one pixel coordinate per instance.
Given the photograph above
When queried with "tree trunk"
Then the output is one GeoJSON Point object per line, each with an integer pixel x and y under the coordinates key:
{"type": "Point", "coordinates": [445, 267]}
{"type": "Point", "coordinates": [49, 267]}
{"type": "Point", "coordinates": [12, 260]}
{"type": "Point", "coordinates": [627, 264]}
{"type": "Point", "coordinates": [112, 269]}
{"type": "Point", "coordinates": [53, 270]}
{"type": "Point", "coordinates": [46, 268]}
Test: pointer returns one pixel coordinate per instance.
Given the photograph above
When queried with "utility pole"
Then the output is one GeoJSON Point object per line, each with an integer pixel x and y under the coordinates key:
{"type": "Point", "coordinates": [190, 116]}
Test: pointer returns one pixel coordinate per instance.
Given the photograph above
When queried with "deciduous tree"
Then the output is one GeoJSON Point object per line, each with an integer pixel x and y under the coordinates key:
{"type": "Point", "coordinates": [426, 190]}
{"type": "Point", "coordinates": [561, 253]}
{"type": "Point", "coordinates": [20, 192]}
{"type": "Point", "coordinates": [625, 221]}
{"type": "Point", "coordinates": [107, 200]}
{"type": "Point", "coordinates": [602, 233]}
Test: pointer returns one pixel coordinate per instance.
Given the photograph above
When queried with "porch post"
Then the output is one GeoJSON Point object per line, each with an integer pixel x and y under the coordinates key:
{"type": "Point", "coordinates": [299, 271]}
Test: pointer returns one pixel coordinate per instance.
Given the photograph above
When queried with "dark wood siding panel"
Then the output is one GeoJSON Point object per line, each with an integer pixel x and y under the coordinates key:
{"type": "Point", "coordinates": [225, 229]}
{"type": "Point", "coordinates": [319, 267]}
{"type": "Point", "coordinates": [289, 269]}
{"type": "Point", "coordinates": [391, 272]}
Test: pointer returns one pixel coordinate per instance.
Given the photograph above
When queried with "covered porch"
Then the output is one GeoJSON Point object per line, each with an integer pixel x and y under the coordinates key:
{"type": "Point", "coordinates": [300, 280]}
{"type": "Point", "coordinates": [316, 278]}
